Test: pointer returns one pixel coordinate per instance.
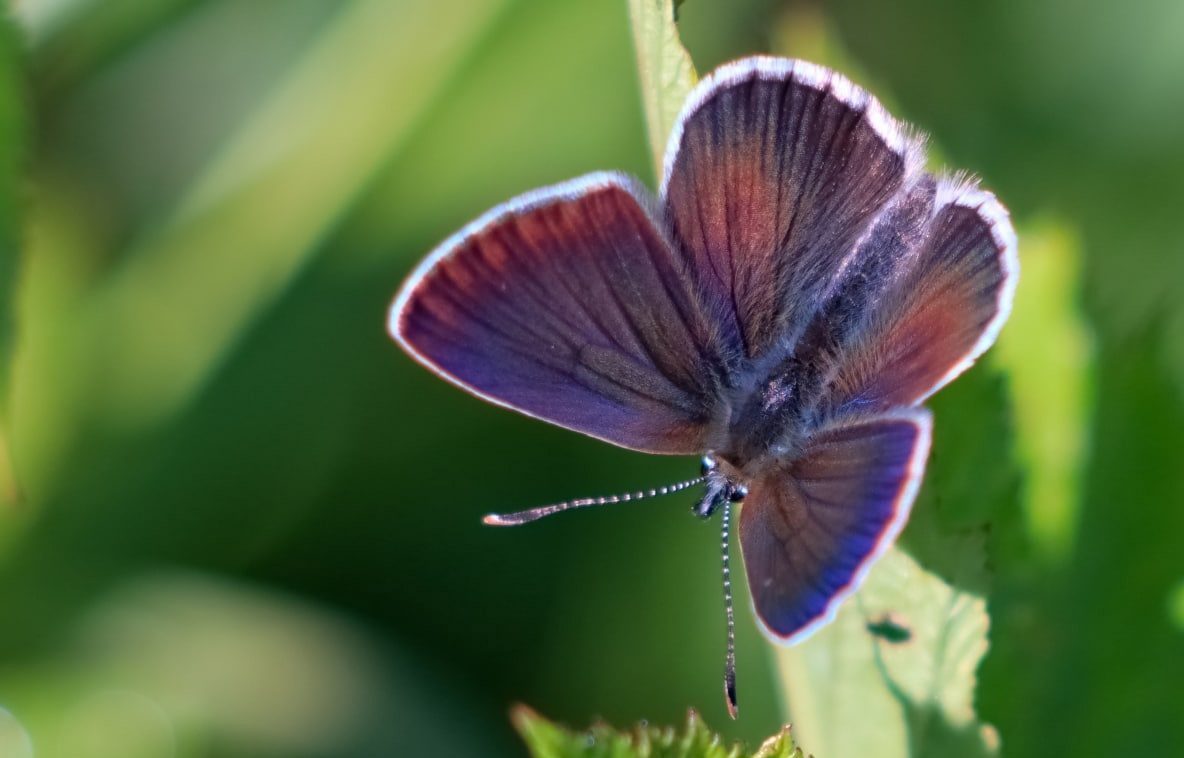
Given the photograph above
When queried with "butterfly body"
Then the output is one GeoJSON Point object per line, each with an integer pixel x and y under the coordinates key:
{"type": "Point", "coordinates": [771, 418]}
{"type": "Point", "coordinates": [797, 289]}
{"type": "Point", "coordinates": [719, 487]}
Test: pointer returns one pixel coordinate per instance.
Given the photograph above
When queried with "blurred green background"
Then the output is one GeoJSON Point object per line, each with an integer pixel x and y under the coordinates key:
{"type": "Point", "coordinates": [237, 521]}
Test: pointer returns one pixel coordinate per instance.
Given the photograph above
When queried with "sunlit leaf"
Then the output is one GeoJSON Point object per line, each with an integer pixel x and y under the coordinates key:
{"type": "Point", "coordinates": [666, 71]}
{"type": "Point", "coordinates": [1046, 350]}
{"type": "Point", "coordinates": [854, 691]}
{"type": "Point", "coordinates": [547, 740]}
{"type": "Point", "coordinates": [14, 740]}
{"type": "Point", "coordinates": [1175, 605]}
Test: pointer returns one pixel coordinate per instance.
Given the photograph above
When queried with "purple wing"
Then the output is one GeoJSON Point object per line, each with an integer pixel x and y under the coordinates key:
{"type": "Point", "coordinates": [940, 307]}
{"type": "Point", "coordinates": [569, 305]}
{"type": "Point", "coordinates": [811, 528]}
{"type": "Point", "coordinates": [773, 172]}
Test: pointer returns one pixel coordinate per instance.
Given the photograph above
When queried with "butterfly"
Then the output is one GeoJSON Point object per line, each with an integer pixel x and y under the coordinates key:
{"type": "Point", "coordinates": [797, 289]}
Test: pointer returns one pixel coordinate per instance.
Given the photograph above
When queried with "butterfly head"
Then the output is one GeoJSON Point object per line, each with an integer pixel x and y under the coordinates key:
{"type": "Point", "coordinates": [721, 485]}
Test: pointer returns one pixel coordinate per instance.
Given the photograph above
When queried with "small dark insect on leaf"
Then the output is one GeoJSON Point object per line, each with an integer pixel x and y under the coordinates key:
{"type": "Point", "coordinates": [890, 629]}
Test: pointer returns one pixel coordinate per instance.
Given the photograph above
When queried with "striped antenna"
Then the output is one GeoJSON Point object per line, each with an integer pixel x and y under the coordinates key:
{"type": "Point", "coordinates": [534, 514]}
{"type": "Point", "coordinates": [730, 661]}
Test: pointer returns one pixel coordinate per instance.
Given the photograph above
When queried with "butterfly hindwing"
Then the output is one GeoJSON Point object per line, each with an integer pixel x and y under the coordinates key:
{"type": "Point", "coordinates": [941, 307]}
{"type": "Point", "coordinates": [569, 305]}
{"type": "Point", "coordinates": [811, 526]}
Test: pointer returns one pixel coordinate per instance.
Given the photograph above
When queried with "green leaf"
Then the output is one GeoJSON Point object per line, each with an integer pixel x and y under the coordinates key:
{"type": "Point", "coordinates": [255, 216]}
{"type": "Point", "coordinates": [1047, 352]}
{"type": "Point", "coordinates": [169, 663]}
{"type": "Point", "coordinates": [971, 483]}
{"type": "Point", "coordinates": [1095, 639]}
{"type": "Point", "coordinates": [665, 67]}
{"type": "Point", "coordinates": [895, 674]}
{"type": "Point", "coordinates": [1176, 605]}
{"type": "Point", "coordinates": [547, 740]}
{"type": "Point", "coordinates": [14, 740]}
{"type": "Point", "coordinates": [855, 691]}
{"type": "Point", "coordinates": [12, 154]}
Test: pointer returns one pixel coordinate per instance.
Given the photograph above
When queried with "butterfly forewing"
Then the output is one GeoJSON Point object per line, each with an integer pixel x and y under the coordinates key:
{"type": "Point", "coordinates": [775, 170]}
{"type": "Point", "coordinates": [569, 305]}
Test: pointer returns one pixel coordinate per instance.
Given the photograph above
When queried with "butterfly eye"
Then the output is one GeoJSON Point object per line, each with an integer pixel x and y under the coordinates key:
{"type": "Point", "coordinates": [738, 493]}
{"type": "Point", "coordinates": [707, 464]}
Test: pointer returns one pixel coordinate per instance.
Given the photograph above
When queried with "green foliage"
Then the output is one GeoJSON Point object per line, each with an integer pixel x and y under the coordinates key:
{"type": "Point", "coordinates": [666, 71]}
{"type": "Point", "coordinates": [1081, 634]}
{"type": "Point", "coordinates": [197, 253]}
{"type": "Point", "coordinates": [165, 663]}
{"type": "Point", "coordinates": [14, 740]}
{"type": "Point", "coordinates": [12, 160]}
{"type": "Point", "coordinates": [547, 740]}
{"type": "Point", "coordinates": [971, 487]}
{"type": "Point", "coordinates": [1046, 352]}
{"type": "Point", "coordinates": [12, 163]}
